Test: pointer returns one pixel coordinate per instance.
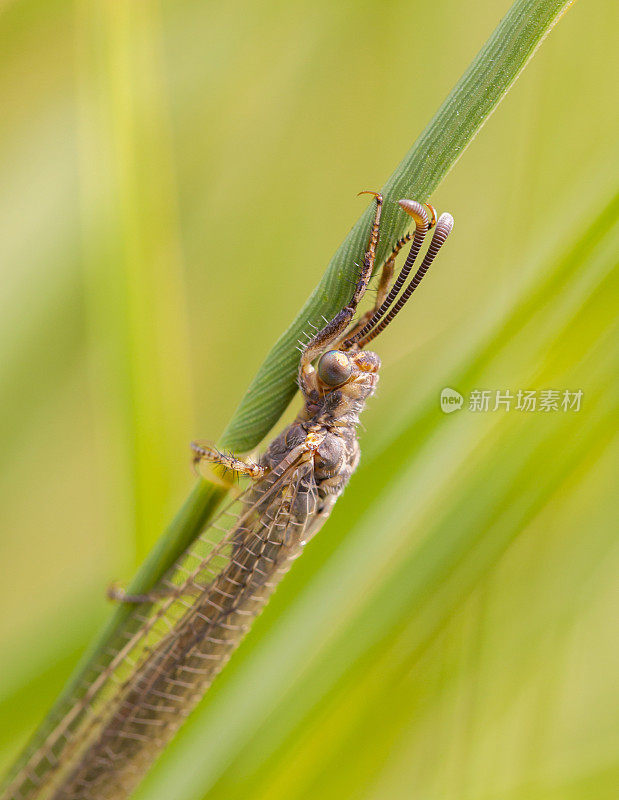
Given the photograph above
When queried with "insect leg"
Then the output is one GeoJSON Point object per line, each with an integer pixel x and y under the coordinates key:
{"type": "Point", "coordinates": [386, 274]}
{"type": "Point", "coordinates": [210, 454]}
{"type": "Point", "coordinates": [116, 593]}
{"type": "Point", "coordinates": [342, 319]}
{"type": "Point", "coordinates": [442, 230]}
{"type": "Point", "coordinates": [422, 225]}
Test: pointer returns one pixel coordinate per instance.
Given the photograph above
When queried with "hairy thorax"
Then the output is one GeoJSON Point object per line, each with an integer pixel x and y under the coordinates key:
{"type": "Point", "coordinates": [330, 417]}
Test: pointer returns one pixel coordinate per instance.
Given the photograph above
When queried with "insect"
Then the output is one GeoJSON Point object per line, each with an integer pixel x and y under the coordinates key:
{"type": "Point", "coordinates": [182, 634]}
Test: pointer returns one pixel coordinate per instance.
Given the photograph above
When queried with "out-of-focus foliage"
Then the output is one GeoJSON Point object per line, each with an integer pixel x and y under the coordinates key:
{"type": "Point", "coordinates": [174, 177]}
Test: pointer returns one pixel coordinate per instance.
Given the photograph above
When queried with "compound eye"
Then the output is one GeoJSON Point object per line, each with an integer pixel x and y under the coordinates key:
{"type": "Point", "coordinates": [334, 368]}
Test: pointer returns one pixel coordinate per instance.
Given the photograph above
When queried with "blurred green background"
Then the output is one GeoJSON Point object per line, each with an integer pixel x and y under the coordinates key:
{"type": "Point", "coordinates": [174, 177]}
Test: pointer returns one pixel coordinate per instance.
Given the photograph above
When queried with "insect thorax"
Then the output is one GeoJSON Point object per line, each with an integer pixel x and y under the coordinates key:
{"type": "Point", "coordinates": [332, 414]}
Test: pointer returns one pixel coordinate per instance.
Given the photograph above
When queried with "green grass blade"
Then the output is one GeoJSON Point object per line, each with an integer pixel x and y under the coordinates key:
{"type": "Point", "coordinates": [472, 100]}
{"type": "Point", "coordinates": [461, 116]}
{"type": "Point", "coordinates": [423, 529]}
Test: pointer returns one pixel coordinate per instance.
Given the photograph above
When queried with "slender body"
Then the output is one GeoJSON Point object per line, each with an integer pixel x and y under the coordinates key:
{"type": "Point", "coordinates": [182, 635]}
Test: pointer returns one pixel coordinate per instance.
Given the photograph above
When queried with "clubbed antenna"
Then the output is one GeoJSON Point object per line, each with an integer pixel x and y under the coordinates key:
{"type": "Point", "coordinates": [441, 232]}
{"type": "Point", "coordinates": [418, 213]}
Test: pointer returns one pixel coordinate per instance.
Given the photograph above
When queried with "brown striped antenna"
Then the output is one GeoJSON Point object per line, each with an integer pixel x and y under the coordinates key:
{"type": "Point", "coordinates": [378, 321]}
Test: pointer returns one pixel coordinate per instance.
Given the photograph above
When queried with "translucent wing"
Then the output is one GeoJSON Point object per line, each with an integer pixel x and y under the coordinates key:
{"type": "Point", "coordinates": [175, 646]}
